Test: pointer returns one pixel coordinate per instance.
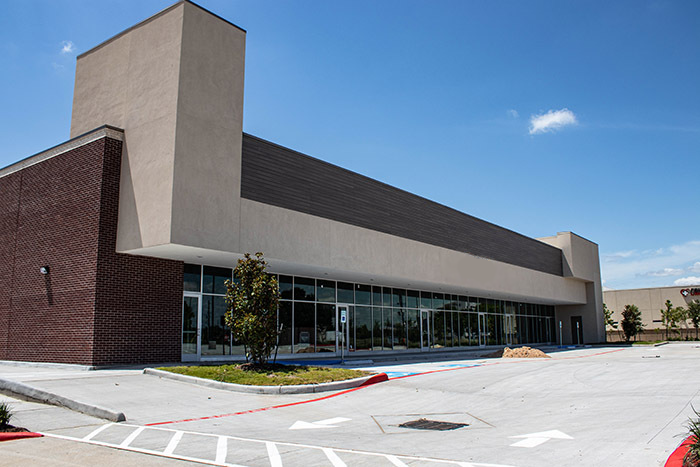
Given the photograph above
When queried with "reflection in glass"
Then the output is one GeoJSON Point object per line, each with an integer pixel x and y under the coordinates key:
{"type": "Point", "coordinates": [325, 328]}
{"type": "Point", "coordinates": [386, 315]}
{"type": "Point", "coordinates": [363, 328]}
{"type": "Point", "coordinates": [376, 296]}
{"type": "Point", "coordinates": [284, 321]}
{"type": "Point", "coordinates": [363, 294]}
{"type": "Point", "coordinates": [346, 293]}
{"type": "Point", "coordinates": [426, 300]}
{"type": "Point", "coordinates": [190, 308]}
{"type": "Point", "coordinates": [286, 287]}
{"type": "Point", "coordinates": [439, 329]}
{"type": "Point", "coordinates": [399, 321]}
{"type": "Point", "coordinates": [192, 277]}
{"type": "Point", "coordinates": [425, 328]}
{"type": "Point", "coordinates": [214, 279]}
{"type": "Point", "coordinates": [215, 334]}
{"type": "Point", "coordinates": [413, 299]}
{"type": "Point", "coordinates": [325, 291]}
{"type": "Point", "coordinates": [304, 288]}
{"type": "Point", "coordinates": [377, 329]}
{"type": "Point", "coordinates": [413, 328]}
{"type": "Point", "coordinates": [304, 327]}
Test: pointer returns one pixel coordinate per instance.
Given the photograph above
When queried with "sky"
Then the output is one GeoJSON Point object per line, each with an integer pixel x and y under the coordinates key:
{"type": "Point", "coordinates": [539, 116]}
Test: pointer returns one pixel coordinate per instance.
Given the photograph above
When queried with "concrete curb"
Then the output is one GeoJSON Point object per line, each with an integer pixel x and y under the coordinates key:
{"type": "Point", "coordinates": [296, 389]}
{"type": "Point", "coordinates": [58, 366]}
{"type": "Point", "coordinates": [23, 391]}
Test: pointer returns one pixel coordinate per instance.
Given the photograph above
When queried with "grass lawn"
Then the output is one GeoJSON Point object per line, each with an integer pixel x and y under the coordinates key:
{"type": "Point", "coordinates": [269, 375]}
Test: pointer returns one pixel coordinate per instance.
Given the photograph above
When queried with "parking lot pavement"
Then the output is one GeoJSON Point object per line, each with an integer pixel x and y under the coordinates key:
{"type": "Point", "coordinates": [613, 406]}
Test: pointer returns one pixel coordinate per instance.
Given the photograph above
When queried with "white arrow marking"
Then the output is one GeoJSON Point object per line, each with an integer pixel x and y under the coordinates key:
{"type": "Point", "coordinates": [535, 439]}
{"type": "Point", "coordinates": [329, 423]}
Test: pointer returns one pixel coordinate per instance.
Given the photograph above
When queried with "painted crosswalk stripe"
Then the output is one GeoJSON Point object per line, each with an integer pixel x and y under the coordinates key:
{"type": "Point", "coordinates": [273, 454]}
{"type": "Point", "coordinates": [94, 433]}
{"type": "Point", "coordinates": [132, 437]}
{"type": "Point", "coordinates": [221, 448]}
{"type": "Point", "coordinates": [173, 443]}
{"type": "Point", "coordinates": [396, 461]}
{"type": "Point", "coordinates": [333, 457]}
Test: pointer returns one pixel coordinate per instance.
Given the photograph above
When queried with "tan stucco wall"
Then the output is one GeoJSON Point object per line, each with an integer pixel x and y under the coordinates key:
{"type": "Point", "coordinates": [174, 83]}
{"type": "Point", "coordinates": [650, 301]}
{"type": "Point", "coordinates": [582, 263]}
{"type": "Point", "coordinates": [209, 133]}
{"type": "Point", "coordinates": [131, 82]}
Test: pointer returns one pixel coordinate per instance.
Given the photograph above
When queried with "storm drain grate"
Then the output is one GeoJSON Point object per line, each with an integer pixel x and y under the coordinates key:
{"type": "Point", "coordinates": [425, 424]}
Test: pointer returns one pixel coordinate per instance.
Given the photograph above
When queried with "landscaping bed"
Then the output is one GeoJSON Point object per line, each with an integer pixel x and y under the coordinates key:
{"type": "Point", "coordinates": [268, 375]}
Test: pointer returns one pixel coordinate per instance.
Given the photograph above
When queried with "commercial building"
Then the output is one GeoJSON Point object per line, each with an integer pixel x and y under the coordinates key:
{"type": "Point", "coordinates": [650, 302]}
{"type": "Point", "coordinates": [114, 246]}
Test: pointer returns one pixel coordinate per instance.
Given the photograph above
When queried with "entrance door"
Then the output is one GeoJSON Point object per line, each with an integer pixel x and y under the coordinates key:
{"type": "Point", "coordinates": [576, 330]}
{"type": "Point", "coordinates": [191, 327]}
{"type": "Point", "coordinates": [425, 330]}
{"type": "Point", "coordinates": [508, 323]}
{"type": "Point", "coordinates": [482, 329]}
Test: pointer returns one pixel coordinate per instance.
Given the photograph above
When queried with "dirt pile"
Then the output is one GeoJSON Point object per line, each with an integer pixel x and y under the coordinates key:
{"type": "Point", "coordinates": [520, 352]}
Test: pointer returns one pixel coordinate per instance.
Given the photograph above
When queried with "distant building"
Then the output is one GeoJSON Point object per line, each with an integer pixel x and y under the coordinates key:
{"type": "Point", "coordinates": [650, 302]}
{"type": "Point", "coordinates": [115, 245]}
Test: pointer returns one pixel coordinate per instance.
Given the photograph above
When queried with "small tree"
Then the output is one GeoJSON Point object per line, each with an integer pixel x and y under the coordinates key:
{"type": "Point", "coordinates": [694, 315]}
{"type": "Point", "coordinates": [667, 315]}
{"type": "Point", "coordinates": [251, 310]}
{"type": "Point", "coordinates": [607, 316]}
{"type": "Point", "coordinates": [631, 322]}
{"type": "Point", "coordinates": [679, 315]}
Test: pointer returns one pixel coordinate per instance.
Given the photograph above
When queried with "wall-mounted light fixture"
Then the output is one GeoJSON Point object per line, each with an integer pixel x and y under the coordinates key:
{"type": "Point", "coordinates": [44, 270]}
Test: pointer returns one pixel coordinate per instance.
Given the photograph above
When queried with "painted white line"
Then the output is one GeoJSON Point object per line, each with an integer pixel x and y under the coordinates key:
{"type": "Point", "coordinates": [142, 451]}
{"type": "Point", "coordinates": [530, 442]}
{"type": "Point", "coordinates": [94, 433]}
{"type": "Point", "coordinates": [221, 449]}
{"type": "Point", "coordinates": [273, 454]}
{"type": "Point", "coordinates": [173, 443]}
{"type": "Point", "coordinates": [467, 464]}
{"type": "Point", "coordinates": [332, 421]}
{"type": "Point", "coordinates": [281, 443]}
{"type": "Point", "coordinates": [132, 437]}
{"type": "Point", "coordinates": [333, 457]}
{"type": "Point", "coordinates": [395, 460]}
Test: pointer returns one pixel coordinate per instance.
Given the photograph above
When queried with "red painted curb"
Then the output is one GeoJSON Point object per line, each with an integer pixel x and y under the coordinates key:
{"type": "Point", "coordinates": [378, 378]}
{"type": "Point", "coordinates": [676, 457]}
{"type": "Point", "coordinates": [19, 435]}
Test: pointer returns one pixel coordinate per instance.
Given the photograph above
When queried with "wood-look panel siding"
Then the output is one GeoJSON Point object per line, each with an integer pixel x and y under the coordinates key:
{"type": "Point", "coordinates": [285, 178]}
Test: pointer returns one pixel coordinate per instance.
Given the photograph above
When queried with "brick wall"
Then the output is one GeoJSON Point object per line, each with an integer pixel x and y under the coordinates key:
{"type": "Point", "coordinates": [95, 306]}
{"type": "Point", "coordinates": [139, 299]}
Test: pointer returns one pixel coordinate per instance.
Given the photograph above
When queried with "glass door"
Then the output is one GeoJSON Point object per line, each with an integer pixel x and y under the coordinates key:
{"type": "Point", "coordinates": [191, 325]}
{"type": "Point", "coordinates": [508, 324]}
{"type": "Point", "coordinates": [482, 330]}
{"type": "Point", "coordinates": [425, 330]}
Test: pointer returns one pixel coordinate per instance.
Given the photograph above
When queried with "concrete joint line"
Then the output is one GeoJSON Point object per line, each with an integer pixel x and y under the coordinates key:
{"type": "Point", "coordinates": [297, 389]}
{"type": "Point", "coordinates": [26, 392]}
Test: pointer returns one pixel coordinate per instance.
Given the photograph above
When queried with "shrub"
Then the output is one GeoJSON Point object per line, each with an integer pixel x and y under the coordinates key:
{"type": "Point", "coordinates": [5, 413]}
{"type": "Point", "coordinates": [252, 307]}
{"type": "Point", "coordinates": [692, 457]}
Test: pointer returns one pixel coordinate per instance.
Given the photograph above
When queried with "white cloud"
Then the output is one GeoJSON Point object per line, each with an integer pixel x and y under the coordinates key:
{"type": "Point", "coordinates": [551, 121]}
{"type": "Point", "coordinates": [513, 113]}
{"type": "Point", "coordinates": [649, 267]}
{"type": "Point", "coordinates": [690, 280]}
{"type": "Point", "coordinates": [67, 47]}
{"type": "Point", "coordinates": [665, 272]}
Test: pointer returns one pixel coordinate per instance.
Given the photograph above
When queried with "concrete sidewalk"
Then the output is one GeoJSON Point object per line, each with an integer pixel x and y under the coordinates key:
{"type": "Point", "coordinates": [615, 406]}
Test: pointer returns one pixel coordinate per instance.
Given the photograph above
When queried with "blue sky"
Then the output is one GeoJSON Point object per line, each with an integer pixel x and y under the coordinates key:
{"type": "Point", "coordinates": [537, 116]}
